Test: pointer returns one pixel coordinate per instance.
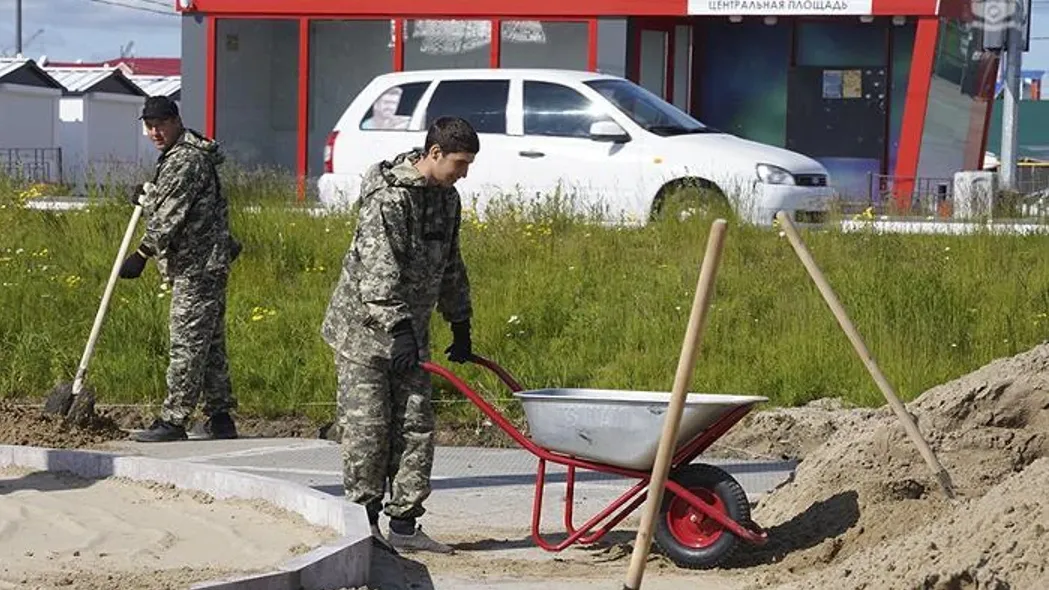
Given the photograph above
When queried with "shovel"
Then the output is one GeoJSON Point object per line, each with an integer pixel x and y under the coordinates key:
{"type": "Point", "coordinates": [71, 400]}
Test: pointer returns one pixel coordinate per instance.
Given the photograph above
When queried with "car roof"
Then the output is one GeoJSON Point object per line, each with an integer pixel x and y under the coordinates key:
{"type": "Point", "coordinates": [489, 73]}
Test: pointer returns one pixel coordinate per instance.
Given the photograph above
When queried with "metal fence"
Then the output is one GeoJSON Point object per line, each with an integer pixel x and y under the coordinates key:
{"type": "Point", "coordinates": [32, 164]}
{"type": "Point", "coordinates": [912, 195]}
{"type": "Point", "coordinates": [934, 197]}
{"type": "Point", "coordinates": [1032, 177]}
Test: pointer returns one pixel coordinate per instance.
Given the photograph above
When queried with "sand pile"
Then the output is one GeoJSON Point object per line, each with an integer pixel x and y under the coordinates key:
{"type": "Point", "coordinates": [791, 433]}
{"type": "Point", "coordinates": [865, 512]}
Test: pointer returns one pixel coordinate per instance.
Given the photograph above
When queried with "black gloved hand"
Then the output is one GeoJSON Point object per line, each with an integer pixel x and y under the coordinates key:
{"type": "Point", "coordinates": [405, 354]}
{"type": "Point", "coordinates": [136, 193]}
{"type": "Point", "coordinates": [133, 266]}
{"type": "Point", "coordinates": [461, 348]}
{"type": "Point", "coordinates": [136, 263]}
{"type": "Point", "coordinates": [234, 248]}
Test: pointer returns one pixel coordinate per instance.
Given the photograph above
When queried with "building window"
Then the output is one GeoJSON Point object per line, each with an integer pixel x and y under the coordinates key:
{"type": "Point", "coordinates": [345, 55]}
{"type": "Point", "coordinates": [442, 44]}
{"type": "Point", "coordinates": [393, 109]}
{"type": "Point", "coordinates": [840, 43]}
{"type": "Point", "coordinates": [750, 101]}
{"type": "Point", "coordinates": [481, 102]}
{"type": "Point", "coordinates": [543, 44]}
{"type": "Point", "coordinates": [256, 91]}
{"type": "Point", "coordinates": [556, 110]}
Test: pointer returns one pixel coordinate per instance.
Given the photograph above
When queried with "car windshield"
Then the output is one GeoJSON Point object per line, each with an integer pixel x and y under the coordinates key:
{"type": "Point", "coordinates": [648, 110]}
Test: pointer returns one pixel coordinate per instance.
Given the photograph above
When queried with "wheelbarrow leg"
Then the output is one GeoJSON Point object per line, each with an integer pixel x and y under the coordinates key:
{"type": "Point", "coordinates": [570, 500]}
{"type": "Point", "coordinates": [575, 536]}
{"type": "Point", "coordinates": [604, 530]}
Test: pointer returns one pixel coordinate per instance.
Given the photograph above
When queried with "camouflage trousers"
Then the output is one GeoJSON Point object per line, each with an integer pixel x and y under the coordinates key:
{"type": "Point", "coordinates": [387, 426]}
{"type": "Point", "coordinates": [197, 360]}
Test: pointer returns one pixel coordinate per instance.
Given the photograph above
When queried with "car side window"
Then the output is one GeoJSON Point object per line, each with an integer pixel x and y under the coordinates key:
{"type": "Point", "coordinates": [481, 102]}
{"type": "Point", "coordinates": [556, 110]}
{"type": "Point", "coordinates": [393, 110]}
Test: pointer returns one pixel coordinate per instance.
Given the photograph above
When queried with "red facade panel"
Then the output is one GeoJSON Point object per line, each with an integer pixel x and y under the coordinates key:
{"type": "Point", "coordinates": [904, 7]}
{"type": "Point", "coordinates": [491, 8]}
{"type": "Point", "coordinates": [447, 8]}
{"type": "Point", "coordinates": [914, 109]}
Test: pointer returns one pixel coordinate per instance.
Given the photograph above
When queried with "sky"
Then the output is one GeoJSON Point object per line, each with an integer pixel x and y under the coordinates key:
{"type": "Point", "coordinates": [92, 30]}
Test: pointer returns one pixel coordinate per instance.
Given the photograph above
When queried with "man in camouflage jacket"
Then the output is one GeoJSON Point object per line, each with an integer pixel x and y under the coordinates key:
{"type": "Point", "coordinates": [187, 231]}
{"type": "Point", "coordinates": [403, 263]}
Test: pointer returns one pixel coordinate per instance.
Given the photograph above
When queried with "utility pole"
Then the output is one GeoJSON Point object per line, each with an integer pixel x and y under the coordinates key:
{"type": "Point", "coordinates": [18, 27]}
{"type": "Point", "coordinates": [1011, 108]}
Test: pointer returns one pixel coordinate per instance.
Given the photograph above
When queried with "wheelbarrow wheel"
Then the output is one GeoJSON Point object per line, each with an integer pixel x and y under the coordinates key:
{"type": "Point", "coordinates": [690, 538]}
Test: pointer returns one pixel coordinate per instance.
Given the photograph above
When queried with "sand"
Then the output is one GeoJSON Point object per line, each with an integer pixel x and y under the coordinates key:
{"type": "Point", "coordinates": [862, 512]}
{"type": "Point", "coordinates": [61, 531]}
{"type": "Point", "coordinates": [863, 509]}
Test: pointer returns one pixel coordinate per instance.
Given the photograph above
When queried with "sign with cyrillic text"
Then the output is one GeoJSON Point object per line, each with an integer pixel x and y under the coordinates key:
{"type": "Point", "coordinates": [779, 7]}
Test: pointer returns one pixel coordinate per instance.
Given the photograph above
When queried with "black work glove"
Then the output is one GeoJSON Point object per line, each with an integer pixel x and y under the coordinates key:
{"type": "Point", "coordinates": [405, 354]}
{"type": "Point", "coordinates": [234, 248]}
{"type": "Point", "coordinates": [135, 264]}
{"type": "Point", "coordinates": [136, 194]}
{"type": "Point", "coordinates": [461, 348]}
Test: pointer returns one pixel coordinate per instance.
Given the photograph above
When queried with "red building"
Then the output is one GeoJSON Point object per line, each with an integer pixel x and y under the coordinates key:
{"type": "Point", "coordinates": [874, 89]}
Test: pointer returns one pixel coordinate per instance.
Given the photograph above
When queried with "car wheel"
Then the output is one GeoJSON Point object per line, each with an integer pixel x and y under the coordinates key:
{"type": "Point", "coordinates": [684, 201]}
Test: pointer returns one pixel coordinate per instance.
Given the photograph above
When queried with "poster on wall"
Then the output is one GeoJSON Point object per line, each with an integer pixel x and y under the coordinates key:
{"type": "Point", "coordinates": [852, 84]}
{"type": "Point", "coordinates": [832, 84]}
{"type": "Point", "coordinates": [778, 7]}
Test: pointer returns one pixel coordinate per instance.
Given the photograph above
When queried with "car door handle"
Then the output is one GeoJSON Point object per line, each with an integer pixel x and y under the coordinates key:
{"type": "Point", "coordinates": [531, 154]}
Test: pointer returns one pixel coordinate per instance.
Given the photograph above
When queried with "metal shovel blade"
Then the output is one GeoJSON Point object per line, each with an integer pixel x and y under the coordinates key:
{"type": "Point", "coordinates": [59, 399]}
{"type": "Point", "coordinates": [77, 409]}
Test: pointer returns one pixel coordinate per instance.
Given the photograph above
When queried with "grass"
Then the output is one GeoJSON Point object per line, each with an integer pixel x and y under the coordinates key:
{"type": "Point", "coordinates": [559, 301]}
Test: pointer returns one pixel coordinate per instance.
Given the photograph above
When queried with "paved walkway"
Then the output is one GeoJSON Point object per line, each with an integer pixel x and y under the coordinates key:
{"type": "Point", "coordinates": [317, 463]}
{"type": "Point", "coordinates": [482, 502]}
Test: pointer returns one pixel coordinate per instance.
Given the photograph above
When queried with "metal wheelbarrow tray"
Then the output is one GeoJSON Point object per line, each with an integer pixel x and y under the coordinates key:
{"type": "Point", "coordinates": [705, 512]}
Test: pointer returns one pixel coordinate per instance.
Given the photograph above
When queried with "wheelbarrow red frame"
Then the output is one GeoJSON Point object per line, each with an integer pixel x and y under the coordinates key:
{"type": "Point", "coordinates": [632, 498]}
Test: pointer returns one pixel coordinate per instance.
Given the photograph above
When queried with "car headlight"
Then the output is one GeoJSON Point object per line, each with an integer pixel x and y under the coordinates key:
{"type": "Point", "coordinates": [770, 174]}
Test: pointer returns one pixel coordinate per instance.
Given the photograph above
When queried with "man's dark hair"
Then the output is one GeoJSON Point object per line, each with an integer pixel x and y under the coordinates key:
{"type": "Point", "coordinates": [453, 135]}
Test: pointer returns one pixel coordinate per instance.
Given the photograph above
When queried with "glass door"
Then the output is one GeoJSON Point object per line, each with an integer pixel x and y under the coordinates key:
{"type": "Point", "coordinates": [652, 72]}
{"type": "Point", "coordinates": [663, 62]}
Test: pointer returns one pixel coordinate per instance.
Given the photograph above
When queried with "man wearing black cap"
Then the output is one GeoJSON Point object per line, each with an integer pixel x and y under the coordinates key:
{"type": "Point", "coordinates": [187, 232]}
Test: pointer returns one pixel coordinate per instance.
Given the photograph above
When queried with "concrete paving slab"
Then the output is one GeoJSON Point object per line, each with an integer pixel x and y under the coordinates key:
{"type": "Point", "coordinates": [481, 503]}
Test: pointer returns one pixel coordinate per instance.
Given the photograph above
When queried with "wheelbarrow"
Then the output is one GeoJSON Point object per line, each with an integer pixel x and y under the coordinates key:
{"type": "Point", "coordinates": [705, 513]}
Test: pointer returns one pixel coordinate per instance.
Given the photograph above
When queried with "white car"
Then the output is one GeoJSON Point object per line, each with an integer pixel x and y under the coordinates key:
{"type": "Point", "coordinates": [601, 139]}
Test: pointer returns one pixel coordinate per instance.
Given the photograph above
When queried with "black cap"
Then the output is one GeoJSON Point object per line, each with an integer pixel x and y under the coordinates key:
{"type": "Point", "coordinates": [159, 107]}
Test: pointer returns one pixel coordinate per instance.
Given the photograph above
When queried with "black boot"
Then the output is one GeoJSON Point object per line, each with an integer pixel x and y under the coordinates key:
{"type": "Point", "coordinates": [220, 426]}
{"type": "Point", "coordinates": [161, 431]}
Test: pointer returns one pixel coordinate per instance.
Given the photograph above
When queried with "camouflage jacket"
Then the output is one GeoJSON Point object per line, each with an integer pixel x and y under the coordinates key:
{"type": "Point", "coordinates": [403, 263]}
{"type": "Point", "coordinates": [187, 216]}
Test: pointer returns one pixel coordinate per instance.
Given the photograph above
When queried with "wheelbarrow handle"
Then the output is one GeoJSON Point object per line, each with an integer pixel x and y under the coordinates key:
{"type": "Point", "coordinates": [478, 400]}
{"type": "Point", "coordinates": [503, 374]}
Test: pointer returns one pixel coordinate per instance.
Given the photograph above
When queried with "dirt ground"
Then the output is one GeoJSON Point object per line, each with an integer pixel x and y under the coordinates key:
{"type": "Point", "coordinates": [863, 509]}
{"type": "Point", "coordinates": [23, 423]}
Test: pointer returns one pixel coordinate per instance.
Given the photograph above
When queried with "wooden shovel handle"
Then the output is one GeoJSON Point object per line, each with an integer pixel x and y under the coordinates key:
{"type": "Point", "coordinates": [686, 363]}
{"type": "Point", "coordinates": [861, 350]}
{"type": "Point", "coordinates": [114, 273]}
